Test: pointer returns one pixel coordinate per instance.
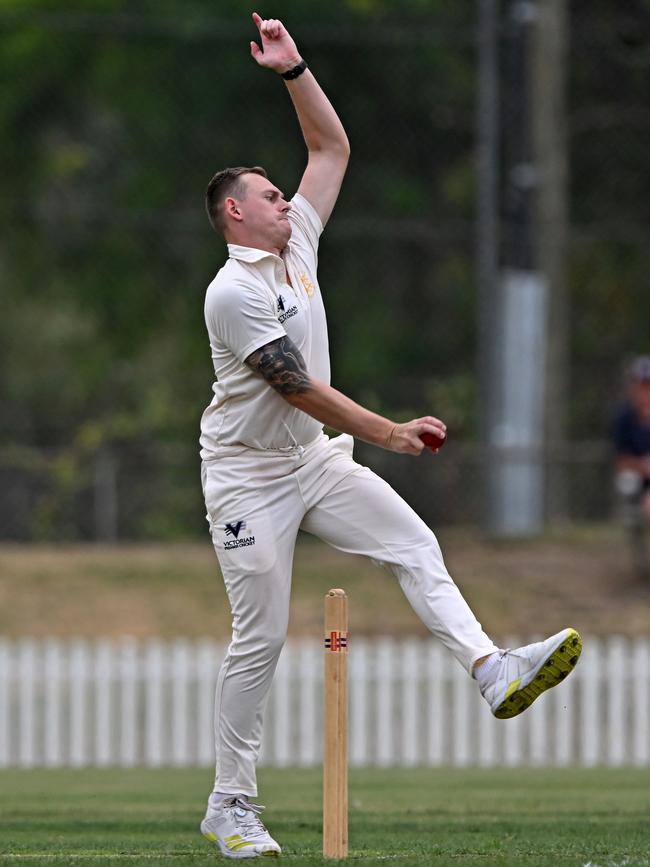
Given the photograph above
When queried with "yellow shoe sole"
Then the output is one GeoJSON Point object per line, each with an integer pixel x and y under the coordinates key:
{"type": "Point", "coordinates": [552, 671]}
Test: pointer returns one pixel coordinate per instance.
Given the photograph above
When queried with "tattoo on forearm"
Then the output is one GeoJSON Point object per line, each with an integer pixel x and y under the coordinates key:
{"type": "Point", "coordinates": [281, 365]}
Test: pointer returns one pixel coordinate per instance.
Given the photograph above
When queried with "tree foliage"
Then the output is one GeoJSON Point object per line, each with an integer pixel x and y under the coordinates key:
{"type": "Point", "coordinates": [116, 115]}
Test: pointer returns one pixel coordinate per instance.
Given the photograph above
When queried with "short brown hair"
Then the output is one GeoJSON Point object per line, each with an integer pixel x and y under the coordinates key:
{"type": "Point", "coordinates": [227, 182]}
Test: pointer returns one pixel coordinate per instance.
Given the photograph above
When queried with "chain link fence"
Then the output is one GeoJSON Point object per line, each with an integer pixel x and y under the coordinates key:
{"type": "Point", "coordinates": [115, 121]}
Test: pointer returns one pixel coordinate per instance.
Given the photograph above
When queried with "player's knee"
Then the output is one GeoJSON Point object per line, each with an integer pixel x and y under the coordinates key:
{"type": "Point", "coordinates": [422, 548]}
{"type": "Point", "coordinates": [263, 647]}
{"type": "Point", "coordinates": [274, 642]}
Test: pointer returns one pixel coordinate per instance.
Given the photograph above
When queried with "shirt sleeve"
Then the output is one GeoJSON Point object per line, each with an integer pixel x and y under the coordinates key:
{"type": "Point", "coordinates": [306, 225]}
{"type": "Point", "coordinates": [243, 319]}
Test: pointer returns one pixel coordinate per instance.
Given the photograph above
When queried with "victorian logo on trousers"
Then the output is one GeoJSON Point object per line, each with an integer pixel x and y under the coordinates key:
{"type": "Point", "coordinates": [234, 528]}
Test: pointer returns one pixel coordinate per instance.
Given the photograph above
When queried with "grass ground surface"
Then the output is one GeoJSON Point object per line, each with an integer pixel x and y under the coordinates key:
{"type": "Point", "coordinates": [505, 817]}
{"type": "Point", "coordinates": [579, 577]}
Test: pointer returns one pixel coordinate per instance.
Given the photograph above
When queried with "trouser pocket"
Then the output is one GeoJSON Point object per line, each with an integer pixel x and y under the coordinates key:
{"type": "Point", "coordinates": [241, 527]}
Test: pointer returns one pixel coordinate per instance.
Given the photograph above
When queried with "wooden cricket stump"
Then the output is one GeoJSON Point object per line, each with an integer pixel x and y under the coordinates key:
{"type": "Point", "coordinates": [335, 753]}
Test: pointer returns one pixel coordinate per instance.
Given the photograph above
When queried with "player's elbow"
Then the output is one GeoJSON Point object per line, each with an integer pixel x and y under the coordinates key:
{"type": "Point", "coordinates": [299, 395]}
{"type": "Point", "coordinates": [344, 148]}
{"type": "Point", "coordinates": [335, 150]}
{"type": "Point", "coordinates": [297, 399]}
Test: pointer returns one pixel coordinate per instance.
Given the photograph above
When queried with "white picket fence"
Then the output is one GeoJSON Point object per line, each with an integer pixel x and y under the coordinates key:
{"type": "Point", "coordinates": [128, 703]}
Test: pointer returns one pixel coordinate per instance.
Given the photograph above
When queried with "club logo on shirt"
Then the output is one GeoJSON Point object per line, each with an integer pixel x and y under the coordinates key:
{"type": "Point", "coordinates": [307, 284]}
{"type": "Point", "coordinates": [234, 528]}
{"type": "Point", "coordinates": [285, 314]}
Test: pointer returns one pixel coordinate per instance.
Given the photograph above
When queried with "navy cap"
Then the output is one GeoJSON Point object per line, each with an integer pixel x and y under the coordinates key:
{"type": "Point", "coordinates": [640, 369]}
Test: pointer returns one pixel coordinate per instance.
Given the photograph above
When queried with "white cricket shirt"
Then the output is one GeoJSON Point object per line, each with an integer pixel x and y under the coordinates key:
{"type": "Point", "coordinates": [248, 304]}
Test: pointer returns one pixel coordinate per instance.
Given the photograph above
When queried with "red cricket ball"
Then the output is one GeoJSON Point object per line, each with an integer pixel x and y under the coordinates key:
{"type": "Point", "coordinates": [431, 441]}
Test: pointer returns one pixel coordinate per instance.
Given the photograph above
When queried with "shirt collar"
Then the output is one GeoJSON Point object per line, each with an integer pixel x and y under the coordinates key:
{"type": "Point", "coordinates": [250, 254]}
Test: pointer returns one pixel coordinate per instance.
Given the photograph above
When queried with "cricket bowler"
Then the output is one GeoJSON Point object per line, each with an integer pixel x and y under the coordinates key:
{"type": "Point", "coordinates": [268, 470]}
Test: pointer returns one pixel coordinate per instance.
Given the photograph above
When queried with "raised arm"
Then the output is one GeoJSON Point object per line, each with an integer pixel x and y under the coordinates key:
{"type": "Point", "coordinates": [283, 367]}
{"type": "Point", "coordinates": [327, 144]}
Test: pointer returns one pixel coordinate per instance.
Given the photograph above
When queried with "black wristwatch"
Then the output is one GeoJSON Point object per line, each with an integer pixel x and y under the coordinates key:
{"type": "Point", "coordinates": [290, 74]}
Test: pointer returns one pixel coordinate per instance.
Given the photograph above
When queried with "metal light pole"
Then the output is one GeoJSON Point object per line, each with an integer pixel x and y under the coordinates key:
{"type": "Point", "coordinates": [514, 327]}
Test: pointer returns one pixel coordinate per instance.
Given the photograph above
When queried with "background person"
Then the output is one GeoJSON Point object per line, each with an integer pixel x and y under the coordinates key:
{"type": "Point", "coordinates": [268, 470]}
{"type": "Point", "coordinates": [631, 435]}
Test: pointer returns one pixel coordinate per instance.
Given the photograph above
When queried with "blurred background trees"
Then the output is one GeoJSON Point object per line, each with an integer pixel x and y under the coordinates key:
{"type": "Point", "coordinates": [115, 115]}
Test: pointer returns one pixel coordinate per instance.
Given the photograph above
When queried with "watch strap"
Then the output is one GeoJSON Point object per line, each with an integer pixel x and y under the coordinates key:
{"type": "Point", "coordinates": [290, 74]}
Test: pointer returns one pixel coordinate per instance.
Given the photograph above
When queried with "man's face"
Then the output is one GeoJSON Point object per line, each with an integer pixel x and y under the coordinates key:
{"type": "Point", "coordinates": [264, 213]}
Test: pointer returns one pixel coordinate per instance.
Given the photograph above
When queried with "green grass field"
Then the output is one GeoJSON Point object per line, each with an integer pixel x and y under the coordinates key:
{"type": "Point", "coordinates": [538, 818]}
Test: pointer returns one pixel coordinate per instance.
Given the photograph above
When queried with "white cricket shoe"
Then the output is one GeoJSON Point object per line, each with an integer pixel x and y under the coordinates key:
{"type": "Point", "coordinates": [234, 826]}
{"type": "Point", "coordinates": [521, 675]}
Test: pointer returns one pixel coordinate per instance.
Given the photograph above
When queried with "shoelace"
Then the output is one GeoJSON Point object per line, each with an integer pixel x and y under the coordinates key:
{"type": "Point", "coordinates": [509, 654]}
{"type": "Point", "coordinates": [516, 653]}
{"type": "Point", "coordinates": [252, 824]}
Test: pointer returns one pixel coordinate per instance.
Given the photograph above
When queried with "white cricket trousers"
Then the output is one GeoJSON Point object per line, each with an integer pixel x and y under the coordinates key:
{"type": "Point", "coordinates": [256, 502]}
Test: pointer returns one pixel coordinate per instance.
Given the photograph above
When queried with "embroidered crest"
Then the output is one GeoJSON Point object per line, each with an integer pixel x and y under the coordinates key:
{"type": "Point", "coordinates": [307, 284]}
